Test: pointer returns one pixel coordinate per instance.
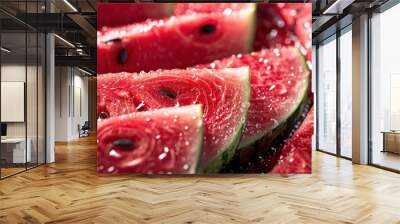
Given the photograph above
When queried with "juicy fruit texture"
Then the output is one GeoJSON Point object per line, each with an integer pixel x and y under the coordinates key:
{"type": "Point", "coordinates": [276, 24]}
{"type": "Point", "coordinates": [303, 32]}
{"type": "Point", "coordinates": [163, 141]}
{"type": "Point", "coordinates": [279, 84]}
{"type": "Point", "coordinates": [224, 95]}
{"type": "Point", "coordinates": [296, 153]}
{"type": "Point", "coordinates": [120, 14]}
{"type": "Point", "coordinates": [176, 42]}
{"type": "Point", "coordinates": [186, 8]}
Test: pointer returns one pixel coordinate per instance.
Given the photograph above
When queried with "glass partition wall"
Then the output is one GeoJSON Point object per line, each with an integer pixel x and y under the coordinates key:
{"type": "Point", "coordinates": [385, 89]}
{"type": "Point", "coordinates": [22, 88]}
{"type": "Point", "coordinates": [334, 94]}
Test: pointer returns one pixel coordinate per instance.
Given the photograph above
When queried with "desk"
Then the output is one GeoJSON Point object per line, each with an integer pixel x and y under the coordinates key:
{"type": "Point", "coordinates": [391, 141]}
{"type": "Point", "coordinates": [13, 150]}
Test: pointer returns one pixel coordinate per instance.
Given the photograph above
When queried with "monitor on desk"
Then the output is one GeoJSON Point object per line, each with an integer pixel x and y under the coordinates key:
{"type": "Point", "coordinates": [3, 130]}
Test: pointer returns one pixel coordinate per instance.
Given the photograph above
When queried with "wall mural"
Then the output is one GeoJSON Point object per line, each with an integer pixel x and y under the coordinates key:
{"type": "Point", "coordinates": [208, 88]}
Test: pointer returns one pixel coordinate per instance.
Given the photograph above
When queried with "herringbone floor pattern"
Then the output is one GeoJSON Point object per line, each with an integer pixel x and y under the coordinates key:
{"type": "Point", "coordinates": [70, 191]}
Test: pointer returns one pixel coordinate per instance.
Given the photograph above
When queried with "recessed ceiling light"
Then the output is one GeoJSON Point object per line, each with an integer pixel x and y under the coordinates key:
{"type": "Point", "coordinates": [64, 40]}
{"type": "Point", "coordinates": [70, 5]}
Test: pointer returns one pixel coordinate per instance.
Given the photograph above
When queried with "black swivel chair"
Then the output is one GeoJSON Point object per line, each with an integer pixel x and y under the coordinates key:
{"type": "Point", "coordinates": [84, 130]}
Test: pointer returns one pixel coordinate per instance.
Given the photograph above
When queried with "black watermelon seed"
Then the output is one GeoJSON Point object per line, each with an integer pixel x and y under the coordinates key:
{"type": "Point", "coordinates": [168, 93]}
{"type": "Point", "coordinates": [122, 56]}
{"type": "Point", "coordinates": [103, 115]}
{"type": "Point", "coordinates": [208, 28]}
{"type": "Point", "coordinates": [115, 40]}
{"type": "Point", "coordinates": [124, 143]}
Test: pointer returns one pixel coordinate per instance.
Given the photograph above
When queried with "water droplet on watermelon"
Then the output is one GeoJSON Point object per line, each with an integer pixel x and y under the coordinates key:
{"type": "Point", "coordinates": [280, 23]}
{"type": "Point", "coordinates": [228, 11]}
{"type": "Point", "coordinates": [111, 169]}
{"type": "Point", "coordinates": [147, 119]}
{"type": "Point", "coordinates": [158, 137]}
{"type": "Point", "coordinates": [186, 166]}
{"type": "Point", "coordinates": [276, 52]}
{"type": "Point", "coordinates": [114, 153]}
{"type": "Point", "coordinates": [273, 33]}
{"type": "Point", "coordinates": [187, 143]}
{"type": "Point", "coordinates": [166, 149]}
{"type": "Point", "coordinates": [162, 156]}
{"type": "Point", "coordinates": [186, 128]}
{"type": "Point", "coordinates": [272, 87]}
{"type": "Point", "coordinates": [180, 134]}
{"type": "Point", "coordinates": [140, 106]}
{"type": "Point", "coordinates": [283, 91]}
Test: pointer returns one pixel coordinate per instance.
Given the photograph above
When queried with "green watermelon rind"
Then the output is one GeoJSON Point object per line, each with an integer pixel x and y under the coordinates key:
{"type": "Point", "coordinates": [199, 113]}
{"type": "Point", "coordinates": [225, 155]}
{"type": "Point", "coordinates": [300, 103]}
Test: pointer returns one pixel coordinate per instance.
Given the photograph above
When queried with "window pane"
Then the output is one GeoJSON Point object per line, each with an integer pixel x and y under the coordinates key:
{"type": "Point", "coordinates": [346, 94]}
{"type": "Point", "coordinates": [385, 89]}
{"type": "Point", "coordinates": [327, 96]}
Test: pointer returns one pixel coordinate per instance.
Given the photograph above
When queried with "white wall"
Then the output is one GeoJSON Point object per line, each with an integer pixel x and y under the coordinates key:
{"type": "Point", "coordinates": [69, 82]}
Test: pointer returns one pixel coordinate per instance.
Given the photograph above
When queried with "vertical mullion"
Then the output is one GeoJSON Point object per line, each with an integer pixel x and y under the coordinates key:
{"type": "Point", "coordinates": [338, 74]}
{"type": "Point", "coordinates": [37, 89]}
{"type": "Point", "coordinates": [369, 100]}
{"type": "Point", "coordinates": [316, 106]}
{"type": "Point", "coordinates": [26, 86]}
{"type": "Point", "coordinates": [45, 86]}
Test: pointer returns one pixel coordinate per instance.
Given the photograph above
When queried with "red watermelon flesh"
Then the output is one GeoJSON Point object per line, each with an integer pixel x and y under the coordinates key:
{"type": "Point", "coordinates": [276, 24]}
{"type": "Point", "coordinates": [296, 153]}
{"type": "Point", "coordinates": [120, 14]}
{"type": "Point", "coordinates": [224, 95]}
{"type": "Point", "coordinates": [279, 85]}
{"type": "Point", "coordinates": [166, 141]}
{"type": "Point", "coordinates": [176, 42]}
{"type": "Point", "coordinates": [304, 32]}
{"type": "Point", "coordinates": [187, 8]}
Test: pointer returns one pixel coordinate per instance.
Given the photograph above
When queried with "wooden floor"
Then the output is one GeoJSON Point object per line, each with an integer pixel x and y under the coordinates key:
{"type": "Point", "coordinates": [70, 191]}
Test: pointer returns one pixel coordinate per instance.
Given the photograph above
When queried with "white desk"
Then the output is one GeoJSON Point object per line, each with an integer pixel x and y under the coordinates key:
{"type": "Point", "coordinates": [18, 150]}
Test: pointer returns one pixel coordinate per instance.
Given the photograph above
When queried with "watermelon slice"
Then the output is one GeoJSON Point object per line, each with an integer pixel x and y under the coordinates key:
{"type": "Point", "coordinates": [166, 141]}
{"type": "Point", "coordinates": [279, 87]}
{"type": "Point", "coordinates": [176, 42]}
{"type": "Point", "coordinates": [120, 14]}
{"type": "Point", "coordinates": [296, 153]}
{"type": "Point", "coordinates": [276, 23]}
{"type": "Point", "coordinates": [224, 95]}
